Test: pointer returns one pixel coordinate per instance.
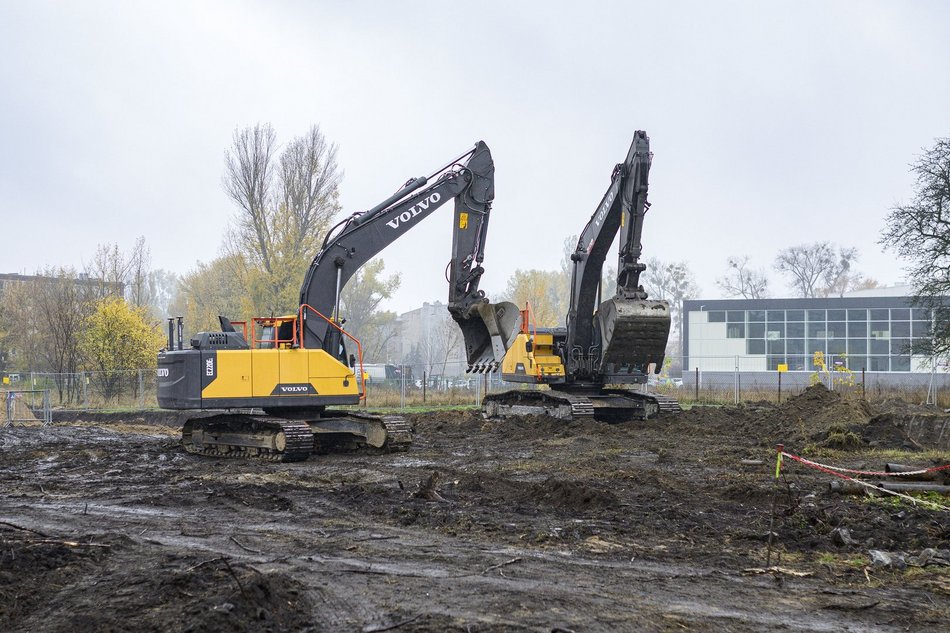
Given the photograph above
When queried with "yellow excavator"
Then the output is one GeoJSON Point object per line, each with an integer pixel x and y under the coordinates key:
{"type": "Point", "coordinates": [264, 391]}
{"type": "Point", "coordinates": [597, 364]}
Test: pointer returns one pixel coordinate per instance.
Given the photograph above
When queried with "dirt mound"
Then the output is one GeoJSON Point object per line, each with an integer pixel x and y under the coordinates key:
{"type": "Point", "coordinates": [816, 415]}
{"type": "Point", "coordinates": [816, 410]}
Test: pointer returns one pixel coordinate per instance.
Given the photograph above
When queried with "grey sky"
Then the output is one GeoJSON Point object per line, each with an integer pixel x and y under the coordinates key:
{"type": "Point", "coordinates": [772, 124]}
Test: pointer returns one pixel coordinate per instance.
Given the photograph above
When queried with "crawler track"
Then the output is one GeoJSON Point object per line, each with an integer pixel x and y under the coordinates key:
{"type": "Point", "coordinates": [607, 405]}
{"type": "Point", "coordinates": [246, 436]}
{"type": "Point", "coordinates": [281, 440]}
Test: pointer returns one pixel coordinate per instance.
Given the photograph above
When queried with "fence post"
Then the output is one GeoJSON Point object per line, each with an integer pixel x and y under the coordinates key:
{"type": "Point", "coordinates": [402, 387]}
{"type": "Point", "coordinates": [697, 384]}
{"type": "Point", "coordinates": [863, 391]}
{"type": "Point", "coordinates": [47, 409]}
{"type": "Point", "coordinates": [141, 391]}
{"type": "Point", "coordinates": [780, 387]}
{"type": "Point", "coordinates": [736, 381]}
{"type": "Point", "coordinates": [425, 380]}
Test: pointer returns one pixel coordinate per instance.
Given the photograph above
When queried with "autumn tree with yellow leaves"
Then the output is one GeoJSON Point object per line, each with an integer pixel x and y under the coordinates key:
{"type": "Point", "coordinates": [117, 338]}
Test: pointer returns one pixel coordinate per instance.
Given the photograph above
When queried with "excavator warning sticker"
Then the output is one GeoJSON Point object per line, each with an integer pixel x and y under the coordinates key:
{"type": "Point", "coordinates": [463, 220]}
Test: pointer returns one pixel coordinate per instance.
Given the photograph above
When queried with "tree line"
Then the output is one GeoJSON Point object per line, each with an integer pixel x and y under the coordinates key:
{"type": "Point", "coordinates": [101, 320]}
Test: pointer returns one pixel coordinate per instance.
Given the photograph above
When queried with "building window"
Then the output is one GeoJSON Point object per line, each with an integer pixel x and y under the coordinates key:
{"type": "Point", "coordinates": [880, 346]}
{"type": "Point", "coordinates": [775, 331]}
{"type": "Point", "coordinates": [735, 330]}
{"type": "Point", "coordinates": [900, 329]}
{"type": "Point", "coordinates": [776, 316]}
{"type": "Point", "coordinates": [857, 346]}
{"type": "Point", "coordinates": [754, 346]}
{"type": "Point", "coordinates": [920, 329]}
{"type": "Point", "coordinates": [756, 316]}
{"type": "Point", "coordinates": [900, 314]}
{"type": "Point", "coordinates": [795, 315]}
{"type": "Point", "coordinates": [880, 330]}
{"type": "Point", "coordinates": [776, 347]}
{"type": "Point", "coordinates": [900, 346]}
{"type": "Point", "coordinates": [796, 330]}
{"type": "Point", "coordinates": [880, 314]}
{"type": "Point", "coordinates": [836, 315]}
{"type": "Point", "coordinates": [816, 345]}
{"type": "Point", "coordinates": [836, 329]}
{"type": "Point", "coordinates": [858, 329]}
{"type": "Point", "coordinates": [857, 363]}
{"type": "Point", "coordinates": [857, 315]}
{"type": "Point", "coordinates": [816, 330]}
{"type": "Point", "coordinates": [735, 316]}
{"type": "Point", "coordinates": [757, 330]}
{"type": "Point", "coordinates": [816, 315]}
{"type": "Point", "coordinates": [900, 363]}
{"type": "Point", "coordinates": [717, 316]}
{"type": "Point", "coordinates": [795, 346]}
{"type": "Point", "coordinates": [836, 346]}
{"type": "Point", "coordinates": [878, 363]}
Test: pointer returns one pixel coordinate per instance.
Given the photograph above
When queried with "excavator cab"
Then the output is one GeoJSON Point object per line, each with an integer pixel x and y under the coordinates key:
{"type": "Point", "coordinates": [276, 332]}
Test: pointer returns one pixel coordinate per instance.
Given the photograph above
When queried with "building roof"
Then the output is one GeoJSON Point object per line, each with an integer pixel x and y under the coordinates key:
{"type": "Point", "coordinates": [888, 291]}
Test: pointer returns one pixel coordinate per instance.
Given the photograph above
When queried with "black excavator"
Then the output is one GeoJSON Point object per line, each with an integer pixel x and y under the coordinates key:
{"type": "Point", "coordinates": [264, 391]}
{"type": "Point", "coordinates": [606, 346]}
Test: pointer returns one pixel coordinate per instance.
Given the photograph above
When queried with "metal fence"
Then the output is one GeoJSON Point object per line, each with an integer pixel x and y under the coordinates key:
{"type": "Point", "coordinates": [94, 390]}
{"type": "Point", "coordinates": [25, 406]}
{"type": "Point", "coordinates": [448, 384]}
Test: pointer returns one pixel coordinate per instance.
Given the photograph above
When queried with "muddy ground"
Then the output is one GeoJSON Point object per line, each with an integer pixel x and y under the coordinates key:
{"type": "Point", "coordinates": [528, 525]}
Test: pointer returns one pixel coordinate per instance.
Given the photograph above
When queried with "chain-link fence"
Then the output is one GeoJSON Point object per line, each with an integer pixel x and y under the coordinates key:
{"type": "Point", "coordinates": [407, 385]}
{"type": "Point", "coordinates": [95, 390]}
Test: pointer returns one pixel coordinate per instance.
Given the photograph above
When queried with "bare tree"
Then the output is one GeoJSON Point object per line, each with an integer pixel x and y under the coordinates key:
{"type": "Point", "coordinates": [139, 263]}
{"type": "Point", "coordinates": [309, 184]}
{"type": "Point", "coordinates": [919, 232]}
{"type": "Point", "coordinates": [818, 269]}
{"type": "Point", "coordinates": [742, 281]}
{"type": "Point", "coordinates": [841, 277]}
{"type": "Point", "coordinates": [114, 273]}
{"type": "Point", "coordinates": [248, 179]}
{"type": "Point", "coordinates": [285, 205]}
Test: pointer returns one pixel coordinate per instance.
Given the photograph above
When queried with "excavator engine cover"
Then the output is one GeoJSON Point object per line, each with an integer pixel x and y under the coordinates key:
{"type": "Point", "coordinates": [634, 334]}
{"type": "Point", "coordinates": [488, 329]}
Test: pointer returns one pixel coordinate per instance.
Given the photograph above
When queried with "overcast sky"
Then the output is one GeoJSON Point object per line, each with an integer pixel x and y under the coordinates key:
{"type": "Point", "coordinates": [772, 124]}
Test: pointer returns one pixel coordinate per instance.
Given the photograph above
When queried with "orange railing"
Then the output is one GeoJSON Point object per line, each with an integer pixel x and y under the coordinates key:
{"type": "Point", "coordinates": [359, 346]}
{"type": "Point", "coordinates": [272, 321]}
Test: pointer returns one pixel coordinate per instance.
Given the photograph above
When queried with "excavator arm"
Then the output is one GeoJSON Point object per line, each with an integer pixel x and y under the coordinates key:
{"type": "Point", "coordinates": [469, 179]}
{"type": "Point", "coordinates": [615, 340]}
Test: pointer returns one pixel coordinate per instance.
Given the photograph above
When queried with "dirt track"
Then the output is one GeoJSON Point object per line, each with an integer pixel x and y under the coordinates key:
{"type": "Point", "coordinates": [534, 526]}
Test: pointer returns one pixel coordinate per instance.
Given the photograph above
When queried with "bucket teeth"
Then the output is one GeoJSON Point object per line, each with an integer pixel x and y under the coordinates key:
{"type": "Point", "coordinates": [482, 368]}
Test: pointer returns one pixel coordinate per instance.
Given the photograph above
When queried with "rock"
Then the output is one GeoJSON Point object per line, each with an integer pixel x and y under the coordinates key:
{"type": "Point", "coordinates": [887, 559]}
{"type": "Point", "coordinates": [842, 536]}
{"type": "Point", "coordinates": [931, 556]}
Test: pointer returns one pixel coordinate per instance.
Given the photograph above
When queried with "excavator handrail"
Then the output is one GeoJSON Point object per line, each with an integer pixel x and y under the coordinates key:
{"type": "Point", "coordinates": [359, 346]}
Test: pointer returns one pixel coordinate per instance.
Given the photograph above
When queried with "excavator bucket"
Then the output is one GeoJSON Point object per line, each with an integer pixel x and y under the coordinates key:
{"type": "Point", "coordinates": [634, 334]}
{"type": "Point", "coordinates": [489, 330]}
